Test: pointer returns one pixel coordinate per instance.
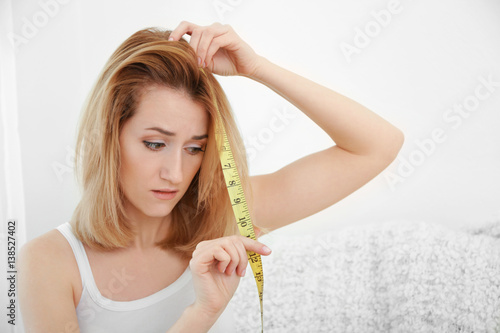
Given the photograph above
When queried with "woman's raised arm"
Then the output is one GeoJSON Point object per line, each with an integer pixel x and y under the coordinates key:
{"type": "Point", "coordinates": [365, 143]}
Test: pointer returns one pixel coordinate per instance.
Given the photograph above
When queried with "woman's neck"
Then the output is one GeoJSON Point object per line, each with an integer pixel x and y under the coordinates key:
{"type": "Point", "coordinates": [148, 231]}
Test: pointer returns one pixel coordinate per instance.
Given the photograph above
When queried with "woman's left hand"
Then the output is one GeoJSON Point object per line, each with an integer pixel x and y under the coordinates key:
{"type": "Point", "coordinates": [219, 48]}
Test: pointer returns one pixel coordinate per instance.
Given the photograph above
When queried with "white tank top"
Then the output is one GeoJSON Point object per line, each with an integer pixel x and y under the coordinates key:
{"type": "Point", "coordinates": [155, 313]}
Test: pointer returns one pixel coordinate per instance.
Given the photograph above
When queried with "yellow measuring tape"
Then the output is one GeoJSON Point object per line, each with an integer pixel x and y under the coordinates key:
{"type": "Point", "coordinates": [238, 201]}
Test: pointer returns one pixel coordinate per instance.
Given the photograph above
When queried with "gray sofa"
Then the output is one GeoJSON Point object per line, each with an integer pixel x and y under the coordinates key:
{"type": "Point", "coordinates": [399, 276]}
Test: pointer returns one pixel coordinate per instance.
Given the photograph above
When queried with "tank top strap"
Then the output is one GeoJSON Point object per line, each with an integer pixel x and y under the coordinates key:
{"type": "Point", "coordinates": [79, 252]}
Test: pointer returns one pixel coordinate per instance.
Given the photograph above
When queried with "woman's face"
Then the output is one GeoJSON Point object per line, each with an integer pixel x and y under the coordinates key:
{"type": "Point", "coordinates": [161, 151]}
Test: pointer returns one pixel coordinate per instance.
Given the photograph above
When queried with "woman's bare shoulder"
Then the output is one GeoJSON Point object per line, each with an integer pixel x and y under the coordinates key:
{"type": "Point", "coordinates": [48, 281]}
{"type": "Point", "coordinates": [49, 252]}
{"type": "Point", "coordinates": [50, 243]}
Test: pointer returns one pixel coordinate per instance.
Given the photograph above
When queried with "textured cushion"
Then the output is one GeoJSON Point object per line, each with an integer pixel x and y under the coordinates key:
{"type": "Point", "coordinates": [394, 277]}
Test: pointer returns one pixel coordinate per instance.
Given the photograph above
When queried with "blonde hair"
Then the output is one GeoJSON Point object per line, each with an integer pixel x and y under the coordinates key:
{"type": "Point", "coordinates": [204, 212]}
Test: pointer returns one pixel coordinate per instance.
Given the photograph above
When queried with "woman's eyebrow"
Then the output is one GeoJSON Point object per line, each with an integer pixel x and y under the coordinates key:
{"type": "Point", "coordinates": [165, 132]}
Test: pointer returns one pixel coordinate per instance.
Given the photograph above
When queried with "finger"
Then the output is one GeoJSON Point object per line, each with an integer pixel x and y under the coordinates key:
{"type": "Point", "coordinates": [223, 257]}
{"type": "Point", "coordinates": [223, 40]}
{"type": "Point", "coordinates": [184, 27]}
{"type": "Point", "coordinates": [196, 35]}
{"type": "Point", "coordinates": [248, 243]}
{"type": "Point", "coordinates": [255, 246]}
{"type": "Point", "coordinates": [218, 43]}
{"type": "Point", "coordinates": [206, 254]}
{"type": "Point", "coordinates": [242, 266]}
{"type": "Point", "coordinates": [231, 249]}
{"type": "Point", "coordinates": [207, 39]}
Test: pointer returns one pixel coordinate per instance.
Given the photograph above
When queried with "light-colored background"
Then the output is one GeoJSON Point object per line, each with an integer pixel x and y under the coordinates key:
{"type": "Point", "coordinates": [412, 62]}
{"type": "Point", "coordinates": [427, 58]}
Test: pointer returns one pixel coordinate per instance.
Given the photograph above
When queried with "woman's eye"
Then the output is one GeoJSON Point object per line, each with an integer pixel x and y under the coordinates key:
{"type": "Point", "coordinates": [155, 146]}
{"type": "Point", "coordinates": [194, 150]}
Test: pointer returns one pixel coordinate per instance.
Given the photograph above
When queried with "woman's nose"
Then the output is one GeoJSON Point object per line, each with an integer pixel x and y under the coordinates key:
{"type": "Point", "coordinates": [172, 168]}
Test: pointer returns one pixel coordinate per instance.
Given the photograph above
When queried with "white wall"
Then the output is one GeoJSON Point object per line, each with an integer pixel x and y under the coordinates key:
{"type": "Point", "coordinates": [417, 65]}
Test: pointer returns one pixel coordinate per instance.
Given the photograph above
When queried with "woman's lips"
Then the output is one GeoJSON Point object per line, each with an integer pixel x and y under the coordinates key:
{"type": "Point", "coordinates": [164, 195]}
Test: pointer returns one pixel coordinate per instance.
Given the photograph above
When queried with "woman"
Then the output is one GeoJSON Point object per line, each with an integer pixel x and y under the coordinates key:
{"type": "Point", "coordinates": [152, 245]}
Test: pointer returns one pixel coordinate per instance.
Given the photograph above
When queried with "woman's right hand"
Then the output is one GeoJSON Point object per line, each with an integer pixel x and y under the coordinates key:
{"type": "Point", "coordinates": [217, 266]}
{"type": "Point", "coordinates": [219, 48]}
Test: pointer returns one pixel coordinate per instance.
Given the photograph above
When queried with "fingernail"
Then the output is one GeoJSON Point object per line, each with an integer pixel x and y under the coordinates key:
{"type": "Point", "coordinates": [199, 61]}
{"type": "Point", "coordinates": [171, 39]}
{"type": "Point", "coordinates": [266, 249]}
{"type": "Point", "coordinates": [244, 272]}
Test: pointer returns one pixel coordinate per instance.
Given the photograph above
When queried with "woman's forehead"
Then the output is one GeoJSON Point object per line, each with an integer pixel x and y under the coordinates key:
{"type": "Point", "coordinates": [171, 108]}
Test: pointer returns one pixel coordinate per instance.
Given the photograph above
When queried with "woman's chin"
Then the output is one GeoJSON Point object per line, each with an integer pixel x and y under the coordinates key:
{"type": "Point", "coordinates": [151, 211]}
{"type": "Point", "coordinates": [158, 213]}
